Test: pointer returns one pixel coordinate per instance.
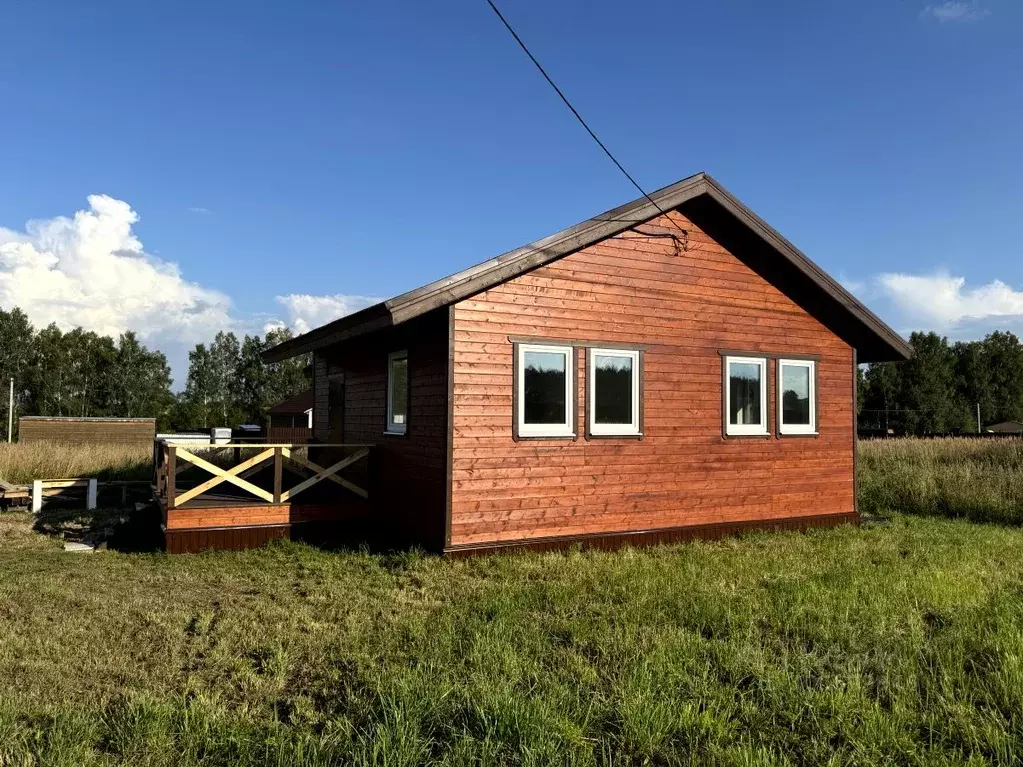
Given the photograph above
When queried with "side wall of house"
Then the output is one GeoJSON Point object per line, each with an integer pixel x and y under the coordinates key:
{"type": "Point", "coordinates": [408, 490]}
{"type": "Point", "coordinates": [683, 309]}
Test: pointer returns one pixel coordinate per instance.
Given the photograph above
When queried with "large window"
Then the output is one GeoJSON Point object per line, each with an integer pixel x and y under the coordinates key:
{"type": "Point", "coordinates": [745, 396]}
{"type": "Point", "coordinates": [614, 392]}
{"type": "Point", "coordinates": [397, 392]}
{"type": "Point", "coordinates": [545, 393]}
{"type": "Point", "coordinates": [797, 397]}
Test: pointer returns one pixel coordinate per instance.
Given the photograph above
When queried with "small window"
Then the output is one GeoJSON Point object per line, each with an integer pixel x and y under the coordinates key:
{"type": "Point", "coordinates": [746, 395]}
{"type": "Point", "coordinates": [614, 392]}
{"type": "Point", "coordinates": [797, 397]}
{"type": "Point", "coordinates": [545, 394]}
{"type": "Point", "coordinates": [397, 392]}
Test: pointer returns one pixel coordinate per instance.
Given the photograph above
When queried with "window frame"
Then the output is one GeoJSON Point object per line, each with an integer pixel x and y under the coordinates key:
{"type": "Point", "coordinates": [761, 429]}
{"type": "Point", "coordinates": [391, 426]}
{"type": "Point", "coordinates": [635, 427]}
{"type": "Point", "coordinates": [523, 430]}
{"type": "Point", "coordinates": [797, 430]}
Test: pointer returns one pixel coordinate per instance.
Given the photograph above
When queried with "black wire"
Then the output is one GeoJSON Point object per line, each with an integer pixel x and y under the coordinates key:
{"type": "Point", "coordinates": [578, 116]}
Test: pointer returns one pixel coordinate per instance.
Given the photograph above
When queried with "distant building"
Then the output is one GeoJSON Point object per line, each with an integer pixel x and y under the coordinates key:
{"type": "Point", "coordinates": [1005, 427]}
{"type": "Point", "coordinates": [292, 419]}
{"type": "Point", "coordinates": [293, 412]}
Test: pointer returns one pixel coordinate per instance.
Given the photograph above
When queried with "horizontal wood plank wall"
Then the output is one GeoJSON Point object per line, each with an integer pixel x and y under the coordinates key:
{"type": "Point", "coordinates": [683, 309]}
{"type": "Point", "coordinates": [408, 489]}
{"type": "Point", "coordinates": [127, 431]}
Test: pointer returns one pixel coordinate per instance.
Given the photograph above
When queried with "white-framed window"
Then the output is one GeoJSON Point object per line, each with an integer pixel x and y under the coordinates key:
{"type": "Point", "coordinates": [397, 392]}
{"type": "Point", "coordinates": [613, 396]}
{"type": "Point", "coordinates": [545, 395]}
{"type": "Point", "coordinates": [745, 395]}
{"type": "Point", "coordinates": [797, 397]}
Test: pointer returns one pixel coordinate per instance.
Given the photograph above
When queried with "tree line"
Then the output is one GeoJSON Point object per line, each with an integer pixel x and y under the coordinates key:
{"type": "Point", "coordinates": [938, 389]}
{"type": "Point", "coordinates": [81, 373]}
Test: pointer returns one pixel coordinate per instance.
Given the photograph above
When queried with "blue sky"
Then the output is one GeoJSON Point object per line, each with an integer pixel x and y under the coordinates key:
{"type": "Point", "coordinates": [291, 158]}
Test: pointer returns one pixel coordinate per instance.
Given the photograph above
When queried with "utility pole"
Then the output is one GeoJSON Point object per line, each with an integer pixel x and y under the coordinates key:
{"type": "Point", "coordinates": [978, 418]}
{"type": "Point", "coordinates": [10, 413]}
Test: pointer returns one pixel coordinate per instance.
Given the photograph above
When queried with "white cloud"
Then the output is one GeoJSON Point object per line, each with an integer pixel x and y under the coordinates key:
{"type": "Point", "coordinates": [945, 303]}
{"type": "Point", "coordinates": [306, 312]}
{"type": "Point", "coordinates": [956, 10]}
{"type": "Point", "coordinates": [201, 210]}
{"type": "Point", "coordinates": [91, 270]}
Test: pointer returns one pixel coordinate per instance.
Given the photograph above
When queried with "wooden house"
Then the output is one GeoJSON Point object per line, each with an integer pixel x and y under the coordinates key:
{"type": "Point", "coordinates": [669, 369]}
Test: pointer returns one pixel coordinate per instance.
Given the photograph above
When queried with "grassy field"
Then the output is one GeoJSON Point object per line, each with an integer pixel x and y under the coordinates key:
{"type": "Point", "coordinates": [900, 642]}
{"type": "Point", "coordinates": [977, 479]}
{"type": "Point", "coordinates": [896, 643]}
{"type": "Point", "coordinates": [20, 464]}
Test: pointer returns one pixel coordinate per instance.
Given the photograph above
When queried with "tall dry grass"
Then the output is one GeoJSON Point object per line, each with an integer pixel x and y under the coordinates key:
{"type": "Point", "coordinates": [22, 463]}
{"type": "Point", "coordinates": [977, 479]}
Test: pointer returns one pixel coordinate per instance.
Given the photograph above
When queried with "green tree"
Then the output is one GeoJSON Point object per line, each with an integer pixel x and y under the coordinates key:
{"type": "Point", "coordinates": [138, 382]}
{"type": "Point", "coordinates": [17, 340]}
{"type": "Point", "coordinates": [1004, 355]}
{"type": "Point", "coordinates": [928, 387]}
{"type": "Point", "coordinates": [287, 377]}
{"type": "Point", "coordinates": [882, 386]}
{"type": "Point", "coordinates": [200, 393]}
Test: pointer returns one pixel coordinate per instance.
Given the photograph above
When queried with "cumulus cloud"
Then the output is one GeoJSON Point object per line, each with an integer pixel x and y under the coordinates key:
{"type": "Point", "coordinates": [306, 312]}
{"type": "Point", "coordinates": [956, 10]}
{"type": "Point", "coordinates": [91, 270]}
{"type": "Point", "coordinates": [946, 304]}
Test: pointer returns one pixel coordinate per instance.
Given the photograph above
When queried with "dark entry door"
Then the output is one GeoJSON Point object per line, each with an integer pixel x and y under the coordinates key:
{"type": "Point", "coordinates": [336, 408]}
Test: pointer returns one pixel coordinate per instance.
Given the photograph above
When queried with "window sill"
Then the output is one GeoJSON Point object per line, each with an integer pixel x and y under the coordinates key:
{"type": "Point", "coordinates": [394, 433]}
{"type": "Point", "coordinates": [758, 435]}
{"type": "Point", "coordinates": [631, 435]}
{"type": "Point", "coordinates": [797, 434]}
{"type": "Point", "coordinates": [525, 437]}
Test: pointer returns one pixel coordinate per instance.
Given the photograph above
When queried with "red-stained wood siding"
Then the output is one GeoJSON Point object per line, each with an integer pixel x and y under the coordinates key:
{"type": "Point", "coordinates": [683, 309]}
{"type": "Point", "coordinates": [408, 489]}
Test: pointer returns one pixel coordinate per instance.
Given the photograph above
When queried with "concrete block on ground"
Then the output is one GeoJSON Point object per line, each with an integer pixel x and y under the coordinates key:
{"type": "Point", "coordinates": [78, 548]}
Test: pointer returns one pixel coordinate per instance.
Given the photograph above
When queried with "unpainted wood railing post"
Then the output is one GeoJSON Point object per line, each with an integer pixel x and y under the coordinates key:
{"type": "Point", "coordinates": [172, 475]}
{"type": "Point", "coordinates": [278, 473]}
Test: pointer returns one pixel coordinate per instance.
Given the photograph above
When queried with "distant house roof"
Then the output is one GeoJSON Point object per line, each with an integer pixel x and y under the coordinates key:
{"type": "Point", "coordinates": [701, 199]}
{"type": "Point", "coordinates": [1006, 427]}
{"type": "Point", "coordinates": [300, 403]}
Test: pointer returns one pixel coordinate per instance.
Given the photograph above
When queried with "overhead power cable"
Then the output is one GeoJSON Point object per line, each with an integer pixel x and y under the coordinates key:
{"type": "Point", "coordinates": [582, 122]}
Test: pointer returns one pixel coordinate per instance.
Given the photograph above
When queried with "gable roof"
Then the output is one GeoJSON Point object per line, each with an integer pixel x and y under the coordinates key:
{"type": "Point", "coordinates": [708, 205]}
{"type": "Point", "coordinates": [294, 405]}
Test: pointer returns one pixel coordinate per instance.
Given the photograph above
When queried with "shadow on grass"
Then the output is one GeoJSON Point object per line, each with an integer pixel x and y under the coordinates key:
{"type": "Point", "coordinates": [127, 530]}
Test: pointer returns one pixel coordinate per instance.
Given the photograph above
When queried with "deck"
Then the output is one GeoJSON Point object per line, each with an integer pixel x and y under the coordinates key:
{"type": "Point", "coordinates": [241, 495]}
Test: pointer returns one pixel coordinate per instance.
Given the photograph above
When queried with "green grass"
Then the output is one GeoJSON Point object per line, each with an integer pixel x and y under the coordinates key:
{"type": "Point", "coordinates": [977, 479]}
{"type": "Point", "coordinates": [890, 644]}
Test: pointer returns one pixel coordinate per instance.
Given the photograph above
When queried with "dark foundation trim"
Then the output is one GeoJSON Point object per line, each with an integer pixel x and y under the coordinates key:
{"type": "Point", "coordinates": [611, 541]}
{"type": "Point", "coordinates": [194, 540]}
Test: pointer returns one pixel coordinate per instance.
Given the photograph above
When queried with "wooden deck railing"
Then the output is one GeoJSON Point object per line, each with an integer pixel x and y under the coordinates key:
{"type": "Point", "coordinates": [252, 474]}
